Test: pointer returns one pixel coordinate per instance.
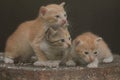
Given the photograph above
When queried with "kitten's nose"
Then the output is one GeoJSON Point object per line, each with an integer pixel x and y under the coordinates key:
{"type": "Point", "coordinates": [64, 21]}
{"type": "Point", "coordinates": [91, 58]}
{"type": "Point", "coordinates": [69, 44]}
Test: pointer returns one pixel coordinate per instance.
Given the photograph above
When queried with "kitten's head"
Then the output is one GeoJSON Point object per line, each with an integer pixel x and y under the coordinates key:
{"type": "Point", "coordinates": [87, 50]}
{"type": "Point", "coordinates": [54, 14]}
{"type": "Point", "coordinates": [59, 37]}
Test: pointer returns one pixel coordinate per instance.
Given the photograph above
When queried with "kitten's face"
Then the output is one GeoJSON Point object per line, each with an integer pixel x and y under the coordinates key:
{"type": "Point", "coordinates": [87, 55]}
{"type": "Point", "coordinates": [59, 38]}
{"type": "Point", "coordinates": [54, 14]}
{"type": "Point", "coordinates": [87, 52]}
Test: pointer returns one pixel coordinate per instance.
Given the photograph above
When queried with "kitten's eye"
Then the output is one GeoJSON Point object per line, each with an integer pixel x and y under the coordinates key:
{"type": "Point", "coordinates": [69, 38]}
{"type": "Point", "coordinates": [65, 15]}
{"type": "Point", "coordinates": [57, 16]}
{"type": "Point", "coordinates": [95, 52]}
{"type": "Point", "coordinates": [62, 40]}
{"type": "Point", "coordinates": [86, 52]}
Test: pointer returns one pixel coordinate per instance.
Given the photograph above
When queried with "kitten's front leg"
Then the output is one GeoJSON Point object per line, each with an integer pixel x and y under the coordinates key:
{"type": "Point", "coordinates": [93, 64]}
{"type": "Point", "coordinates": [42, 59]}
{"type": "Point", "coordinates": [66, 57]}
{"type": "Point", "coordinates": [63, 61]}
{"type": "Point", "coordinates": [108, 59]}
{"type": "Point", "coordinates": [39, 54]}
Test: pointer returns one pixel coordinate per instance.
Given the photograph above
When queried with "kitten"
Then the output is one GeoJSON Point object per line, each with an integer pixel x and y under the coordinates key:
{"type": "Point", "coordinates": [26, 39]}
{"type": "Point", "coordinates": [89, 49]}
{"type": "Point", "coordinates": [55, 44]}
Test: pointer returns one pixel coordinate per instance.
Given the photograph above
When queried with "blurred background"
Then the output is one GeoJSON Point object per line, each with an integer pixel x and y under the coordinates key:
{"type": "Point", "coordinates": [101, 17]}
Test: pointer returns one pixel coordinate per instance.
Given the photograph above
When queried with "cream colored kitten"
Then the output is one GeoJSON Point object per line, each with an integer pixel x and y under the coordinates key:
{"type": "Point", "coordinates": [89, 49]}
{"type": "Point", "coordinates": [26, 39]}
{"type": "Point", "coordinates": [92, 49]}
{"type": "Point", "coordinates": [55, 44]}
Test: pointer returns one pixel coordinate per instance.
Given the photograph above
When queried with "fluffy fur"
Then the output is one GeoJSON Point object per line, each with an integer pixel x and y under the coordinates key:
{"type": "Point", "coordinates": [55, 44]}
{"type": "Point", "coordinates": [27, 38]}
{"type": "Point", "coordinates": [89, 49]}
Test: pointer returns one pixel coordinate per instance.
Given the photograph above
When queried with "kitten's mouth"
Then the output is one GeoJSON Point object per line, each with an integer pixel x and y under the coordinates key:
{"type": "Point", "coordinates": [89, 61]}
{"type": "Point", "coordinates": [65, 24]}
{"type": "Point", "coordinates": [61, 24]}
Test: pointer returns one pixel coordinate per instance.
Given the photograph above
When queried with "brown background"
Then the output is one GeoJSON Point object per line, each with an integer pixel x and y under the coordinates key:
{"type": "Point", "coordinates": [99, 16]}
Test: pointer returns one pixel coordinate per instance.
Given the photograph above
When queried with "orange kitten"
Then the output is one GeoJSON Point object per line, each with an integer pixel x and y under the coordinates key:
{"type": "Point", "coordinates": [26, 39]}
{"type": "Point", "coordinates": [89, 49]}
{"type": "Point", "coordinates": [92, 49]}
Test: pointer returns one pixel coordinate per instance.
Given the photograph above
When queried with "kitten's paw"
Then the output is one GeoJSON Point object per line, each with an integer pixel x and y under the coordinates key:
{"type": "Point", "coordinates": [92, 65]}
{"type": "Point", "coordinates": [47, 63]}
{"type": "Point", "coordinates": [8, 60]}
{"type": "Point", "coordinates": [70, 63]}
{"type": "Point", "coordinates": [108, 60]}
{"type": "Point", "coordinates": [62, 64]}
{"type": "Point", "coordinates": [38, 63]}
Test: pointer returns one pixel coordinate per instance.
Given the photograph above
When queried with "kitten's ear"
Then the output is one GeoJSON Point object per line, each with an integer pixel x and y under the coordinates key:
{"type": "Point", "coordinates": [77, 42]}
{"type": "Point", "coordinates": [98, 39]}
{"type": "Point", "coordinates": [62, 4]}
{"type": "Point", "coordinates": [43, 10]}
{"type": "Point", "coordinates": [52, 30]}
